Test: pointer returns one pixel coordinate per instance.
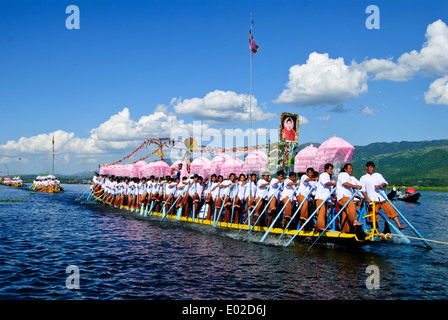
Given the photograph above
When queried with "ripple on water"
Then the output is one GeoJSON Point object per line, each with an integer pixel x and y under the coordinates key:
{"type": "Point", "coordinates": [120, 257]}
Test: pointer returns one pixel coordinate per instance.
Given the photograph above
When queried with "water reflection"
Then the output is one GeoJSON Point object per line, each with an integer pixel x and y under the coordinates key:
{"type": "Point", "coordinates": [121, 256]}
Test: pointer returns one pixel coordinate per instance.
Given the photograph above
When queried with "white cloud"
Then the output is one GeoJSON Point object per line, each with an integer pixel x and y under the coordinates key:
{"type": "Point", "coordinates": [431, 59]}
{"type": "Point", "coordinates": [323, 81]}
{"type": "Point", "coordinates": [387, 70]}
{"type": "Point", "coordinates": [118, 133]}
{"type": "Point", "coordinates": [121, 130]}
{"type": "Point", "coordinates": [366, 110]}
{"type": "Point", "coordinates": [438, 92]}
{"type": "Point", "coordinates": [222, 107]}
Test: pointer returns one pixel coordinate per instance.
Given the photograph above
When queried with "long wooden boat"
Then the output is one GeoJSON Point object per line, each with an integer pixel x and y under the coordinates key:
{"type": "Point", "coordinates": [409, 197]}
{"type": "Point", "coordinates": [360, 238]}
{"type": "Point", "coordinates": [53, 189]}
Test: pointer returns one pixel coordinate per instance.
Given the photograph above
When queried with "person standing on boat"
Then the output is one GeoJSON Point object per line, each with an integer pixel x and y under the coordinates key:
{"type": "Point", "coordinates": [181, 191]}
{"type": "Point", "coordinates": [226, 194]}
{"type": "Point", "coordinates": [323, 190]}
{"type": "Point", "coordinates": [251, 191]}
{"type": "Point", "coordinates": [306, 182]}
{"type": "Point", "coordinates": [287, 196]}
{"type": "Point", "coordinates": [344, 190]}
{"type": "Point", "coordinates": [169, 193]}
{"type": "Point", "coordinates": [95, 179]}
{"type": "Point", "coordinates": [261, 196]}
{"type": "Point", "coordinates": [198, 188]}
{"type": "Point", "coordinates": [238, 198]}
{"type": "Point", "coordinates": [142, 186]}
{"type": "Point", "coordinates": [209, 184]}
{"type": "Point", "coordinates": [276, 186]}
{"type": "Point", "coordinates": [372, 183]}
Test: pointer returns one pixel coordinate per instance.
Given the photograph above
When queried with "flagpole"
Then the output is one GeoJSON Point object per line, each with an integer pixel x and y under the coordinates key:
{"type": "Point", "coordinates": [52, 168]}
{"type": "Point", "coordinates": [250, 86]}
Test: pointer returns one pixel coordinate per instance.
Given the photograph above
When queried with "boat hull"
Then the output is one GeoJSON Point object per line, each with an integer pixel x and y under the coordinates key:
{"type": "Point", "coordinates": [410, 198]}
{"type": "Point", "coordinates": [329, 236]}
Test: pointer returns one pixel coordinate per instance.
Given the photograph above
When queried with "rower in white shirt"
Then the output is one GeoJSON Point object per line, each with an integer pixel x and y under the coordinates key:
{"type": "Point", "coordinates": [261, 197]}
{"type": "Point", "coordinates": [307, 181]}
{"type": "Point", "coordinates": [372, 183]}
{"type": "Point", "coordinates": [276, 186]}
{"type": "Point", "coordinates": [251, 191]}
{"type": "Point", "coordinates": [226, 196]}
{"type": "Point", "coordinates": [287, 196]}
{"type": "Point", "coordinates": [323, 190]}
{"type": "Point", "coordinates": [344, 191]}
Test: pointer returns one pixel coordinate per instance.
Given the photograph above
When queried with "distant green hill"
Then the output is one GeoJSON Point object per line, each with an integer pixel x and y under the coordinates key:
{"type": "Point", "coordinates": [410, 163]}
{"type": "Point", "coordinates": [421, 163]}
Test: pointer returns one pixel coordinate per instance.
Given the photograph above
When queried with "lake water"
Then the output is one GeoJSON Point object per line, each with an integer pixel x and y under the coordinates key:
{"type": "Point", "coordinates": [120, 256]}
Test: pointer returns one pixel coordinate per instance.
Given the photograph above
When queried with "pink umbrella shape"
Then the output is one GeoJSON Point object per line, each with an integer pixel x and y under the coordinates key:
{"type": "Point", "coordinates": [335, 150]}
{"type": "Point", "coordinates": [199, 166]}
{"type": "Point", "coordinates": [305, 159]}
{"type": "Point", "coordinates": [159, 168]}
{"type": "Point", "coordinates": [231, 165]}
{"type": "Point", "coordinates": [256, 162]}
{"type": "Point", "coordinates": [138, 166]}
{"type": "Point", "coordinates": [214, 167]}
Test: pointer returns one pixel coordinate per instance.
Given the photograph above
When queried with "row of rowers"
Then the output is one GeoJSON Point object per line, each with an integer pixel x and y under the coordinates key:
{"type": "Point", "coordinates": [45, 181]}
{"type": "Point", "coordinates": [234, 197]}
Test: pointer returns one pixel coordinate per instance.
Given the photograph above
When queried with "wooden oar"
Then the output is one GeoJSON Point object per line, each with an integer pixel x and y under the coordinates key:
{"type": "Point", "coordinates": [250, 213]}
{"type": "Point", "coordinates": [233, 205]}
{"type": "Point", "coordinates": [334, 218]}
{"type": "Point", "coordinates": [396, 230]}
{"type": "Point", "coordinates": [220, 210]}
{"type": "Point", "coordinates": [310, 217]}
{"type": "Point", "coordinates": [413, 229]}
{"type": "Point", "coordinates": [267, 206]}
{"type": "Point", "coordinates": [101, 197]}
{"type": "Point", "coordinates": [298, 209]}
{"type": "Point", "coordinates": [278, 215]}
{"type": "Point", "coordinates": [152, 202]}
{"type": "Point", "coordinates": [82, 195]}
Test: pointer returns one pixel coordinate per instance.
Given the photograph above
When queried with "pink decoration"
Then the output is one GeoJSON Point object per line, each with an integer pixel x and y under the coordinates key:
{"type": "Point", "coordinates": [231, 165]}
{"type": "Point", "coordinates": [335, 151]}
{"type": "Point", "coordinates": [256, 162]}
{"type": "Point", "coordinates": [158, 169]}
{"type": "Point", "coordinates": [305, 159]}
{"type": "Point", "coordinates": [183, 171]}
{"type": "Point", "coordinates": [137, 170]}
{"type": "Point", "coordinates": [199, 166]}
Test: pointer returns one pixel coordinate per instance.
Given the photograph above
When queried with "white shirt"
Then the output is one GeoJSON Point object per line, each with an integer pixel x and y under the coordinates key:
{"type": "Point", "coordinates": [322, 190]}
{"type": "Point", "coordinates": [368, 183]}
{"type": "Point", "coordinates": [170, 188]}
{"type": "Point", "coordinates": [305, 186]}
{"type": "Point", "coordinates": [341, 190]}
{"type": "Point", "coordinates": [288, 191]}
{"type": "Point", "coordinates": [240, 190]}
{"type": "Point", "coordinates": [226, 191]}
{"type": "Point", "coordinates": [262, 190]}
{"type": "Point", "coordinates": [275, 188]}
{"type": "Point", "coordinates": [251, 189]}
{"type": "Point", "coordinates": [197, 188]}
{"type": "Point", "coordinates": [216, 191]}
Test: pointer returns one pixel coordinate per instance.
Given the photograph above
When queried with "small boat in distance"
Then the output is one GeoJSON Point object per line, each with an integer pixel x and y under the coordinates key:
{"type": "Point", "coordinates": [410, 195]}
{"type": "Point", "coordinates": [13, 182]}
{"type": "Point", "coordinates": [392, 193]}
{"type": "Point", "coordinates": [48, 183]}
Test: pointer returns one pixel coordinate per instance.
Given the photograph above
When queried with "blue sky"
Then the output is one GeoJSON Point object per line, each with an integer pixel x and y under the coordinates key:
{"type": "Point", "coordinates": [134, 65]}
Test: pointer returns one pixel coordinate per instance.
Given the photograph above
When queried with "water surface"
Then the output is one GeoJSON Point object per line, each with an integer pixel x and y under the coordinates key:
{"type": "Point", "coordinates": [120, 256]}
